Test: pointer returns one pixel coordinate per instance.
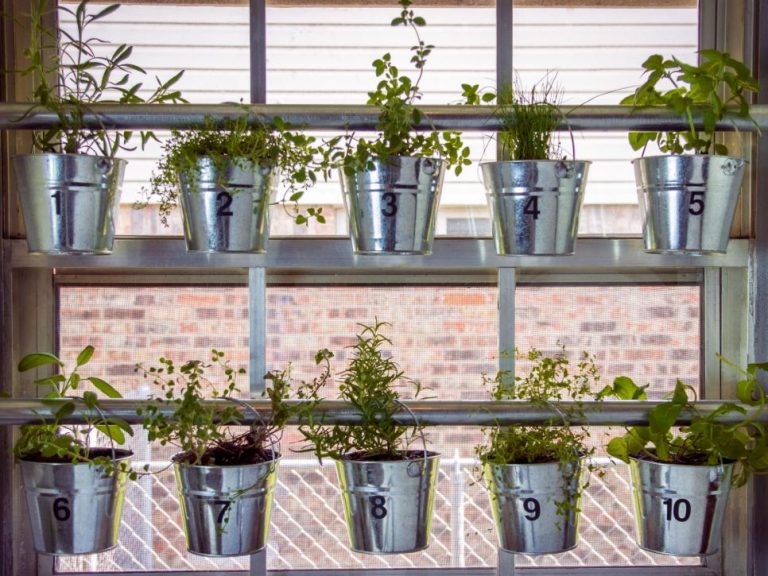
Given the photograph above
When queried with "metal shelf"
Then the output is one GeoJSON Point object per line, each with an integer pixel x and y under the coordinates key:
{"type": "Point", "coordinates": [428, 412]}
{"type": "Point", "coordinates": [334, 255]}
{"type": "Point", "coordinates": [340, 117]}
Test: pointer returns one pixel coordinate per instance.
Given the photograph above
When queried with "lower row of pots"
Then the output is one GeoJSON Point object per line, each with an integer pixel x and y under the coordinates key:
{"type": "Point", "coordinates": [76, 508]}
{"type": "Point", "coordinates": [687, 204]}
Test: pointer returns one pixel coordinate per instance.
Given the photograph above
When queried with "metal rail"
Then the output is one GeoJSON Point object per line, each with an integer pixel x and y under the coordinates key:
{"type": "Point", "coordinates": [428, 412]}
{"type": "Point", "coordinates": [340, 117]}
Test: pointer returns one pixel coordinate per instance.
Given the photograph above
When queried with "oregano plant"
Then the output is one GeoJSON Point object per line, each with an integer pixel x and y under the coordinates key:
{"type": "Point", "coordinates": [369, 384]}
{"type": "Point", "coordinates": [693, 91]}
{"type": "Point", "coordinates": [71, 74]}
{"type": "Point", "coordinates": [243, 141]}
{"type": "Point", "coordinates": [550, 379]}
{"type": "Point", "coordinates": [707, 440]}
{"type": "Point", "coordinates": [396, 96]}
{"type": "Point", "coordinates": [57, 441]}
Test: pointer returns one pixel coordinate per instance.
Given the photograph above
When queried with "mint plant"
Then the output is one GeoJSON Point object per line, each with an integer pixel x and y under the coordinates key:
{"type": "Point", "coordinates": [368, 384]}
{"type": "Point", "coordinates": [237, 141]}
{"type": "Point", "coordinates": [56, 441]}
{"type": "Point", "coordinates": [694, 91]}
{"type": "Point", "coordinates": [551, 379]}
{"type": "Point", "coordinates": [395, 96]}
{"type": "Point", "coordinates": [71, 76]}
{"type": "Point", "coordinates": [706, 440]}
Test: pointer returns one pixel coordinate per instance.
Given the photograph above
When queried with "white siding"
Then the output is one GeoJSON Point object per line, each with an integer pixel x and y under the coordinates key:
{"type": "Point", "coordinates": [324, 55]}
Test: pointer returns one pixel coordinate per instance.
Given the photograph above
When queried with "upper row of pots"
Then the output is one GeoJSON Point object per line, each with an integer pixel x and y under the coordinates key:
{"type": "Point", "coordinates": [225, 174]}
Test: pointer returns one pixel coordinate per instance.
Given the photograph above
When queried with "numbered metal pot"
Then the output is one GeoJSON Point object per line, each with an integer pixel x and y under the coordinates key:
{"type": "Point", "coordinates": [74, 508]}
{"type": "Point", "coordinates": [535, 205]}
{"type": "Point", "coordinates": [392, 208]}
{"type": "Point", "coordinates": [69, 201]}
{"type": "Point", "coordinates": [524, 500]}
{"type": "Point", "coordinates": [226, 509]}
{"type": "Point", "coordinates": [679, 509]}
{"type": "Point", "coordinates": [687, 203]}
{"type": "Point", "coordinates": [388, 504]}
{"type": "Point", "coordinates": [227, 209]}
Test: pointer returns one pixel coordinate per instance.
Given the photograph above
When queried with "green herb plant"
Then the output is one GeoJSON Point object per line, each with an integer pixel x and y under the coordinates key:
{"type": "Point", "coordinates": [529, 117]}
{"type": "Point", "coordinates": [550, 379]}
{"type": "Point", "coordinates": [694, 91]}
{"type": "Point", "coordinates": [706, 440]}
{"type": "Point", "coordinates": [242, 141]}
{"type": "Point", "coordinates": [71, 75]}
{"type": "Point", "coordinates": [57, 441]}
{"type": "Point", "coordinates": [396, 96]}
{"type": "Point", "coordinates": [368, 384]}
{"type": "Point", "coordinates": [179, 415]}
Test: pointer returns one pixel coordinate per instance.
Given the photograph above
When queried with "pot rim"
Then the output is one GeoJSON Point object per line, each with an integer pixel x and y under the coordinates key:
{"type": "Point", "coordinates": [662, 156]}
{"type": "Point", "coordinates": [728, 463]}
{"type": "Point", "coordinates": [120, 453]}
{"type": "Point", "coordinates": [274, 460]}
{"type": "Point", "coordinates": [545, 161]}
{"type": "Point", "coordinates": [580, 460]}
{"type": "Point", "coordinates": [430, 455]}
{"type": "Point", "coordinates": [61, 154]}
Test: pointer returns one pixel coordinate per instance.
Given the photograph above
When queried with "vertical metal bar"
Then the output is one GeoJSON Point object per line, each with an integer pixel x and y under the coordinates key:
{"type": "Point", "coordinates": [507, 287]}
{"type": "Point", "coordinates": [258, 51]}
{"type": "Point", "coordinates": [457, 511]}
{"type": "Point", "coordinates": [758, 526]}
{"type": "Point", "coordinates": [504, 64]}
{"type": "Point", "coordinates": [257, 277]}
{"type": "Point", "coordinates": [709, 11]}
{"type": "Point", "coordinates": [710, 335]}
{"type": "Point", "coordinates": [257, 323]}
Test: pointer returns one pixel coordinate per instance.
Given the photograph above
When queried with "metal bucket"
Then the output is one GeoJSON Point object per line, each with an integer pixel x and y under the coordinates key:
{"type": "Point", "coordinates": [392, 209]}
{"type": "Point", "coordinates": [524, 501]}
{"type": "Point", "coordinates": [388, 504]}
{"type": "Point", "coordinates": [535, 205]}
{"type": "Point", "coordinates": [226, 509]}
{"type": "Point", "coordinates": [687, 202]}
{"type": "Point", "coordinates": [74, 508]}
{"type": "Point", "coordinates": [679, 509]}
{"type": "Point", "coordinates": [227, 211]}
{"type": "Point", "coordinates": [69, 201]}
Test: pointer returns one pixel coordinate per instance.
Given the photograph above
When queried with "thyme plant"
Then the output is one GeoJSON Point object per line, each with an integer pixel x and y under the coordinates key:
{"type": "Point", "coordinates": [706, 440]}
{"type": "Point", "coordinates": [71, 75]}
{"type": "Point", "coordinates": [395, 96]}
{"type": "Point", "coordinates": [204, 431]}
{"type": "Point", "coordinates": [693, 91]}
{"type": "Point", "coordinates": [551, 379]}
{"type": "Point", "coordinates": [368, 383]}
{"type": "Point", "coordinates": [236, 141]}
{"type": "Point", "coordinates": [56, 441]}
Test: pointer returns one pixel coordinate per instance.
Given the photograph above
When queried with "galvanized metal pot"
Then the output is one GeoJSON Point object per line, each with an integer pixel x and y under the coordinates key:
{"type": "Point", "coordinates": [226, 509]}
{"type": "Point", "coordinates": [535, 205]}
{"type": "Point", "coordinates": [392, 209]}
{"type": "Point", "coordinates": [523, 501]}
{"type": "Point", "coordinates": [388, 504]}
{"type": "Point", "coordinates": [227, 210]}
{"type": "Point", "coordinates": [69, 201]}
{"type": "Point", "coordinates": [687, 202]}
{"type": "Point", "coordinates": [679, 509]}
{"type": "Point", "coordinates": [74, 508]}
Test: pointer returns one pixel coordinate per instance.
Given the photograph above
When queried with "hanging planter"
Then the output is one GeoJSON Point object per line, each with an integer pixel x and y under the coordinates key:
{"type": "Point", "coordinates": [392, 208]}
{"type": "Point", "coordinates": [679, 509]}
{"type": "Point", "coordinates": [69, 201]}
{"type": "Point", "coordinates": [226, 208]}
{"type": "Point", "coordinates": [388, 504]}
{"type": "Point", "coordinates": [75, 508]}
{"type": "Point", "coordinates": [687, 203]}
{"type": "Point", "coordinates": [226, 509]}
{"type": "Point", "coordinates": [534, 205]}
{"type": "Point", "coordinates": [524, 501]}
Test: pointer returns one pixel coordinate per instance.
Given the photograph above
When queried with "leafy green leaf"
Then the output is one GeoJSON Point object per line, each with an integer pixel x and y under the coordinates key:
{"type": "Point", "coordinates": [104, 387]}
{"type": "Point", "coordinates": [36, 360]}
